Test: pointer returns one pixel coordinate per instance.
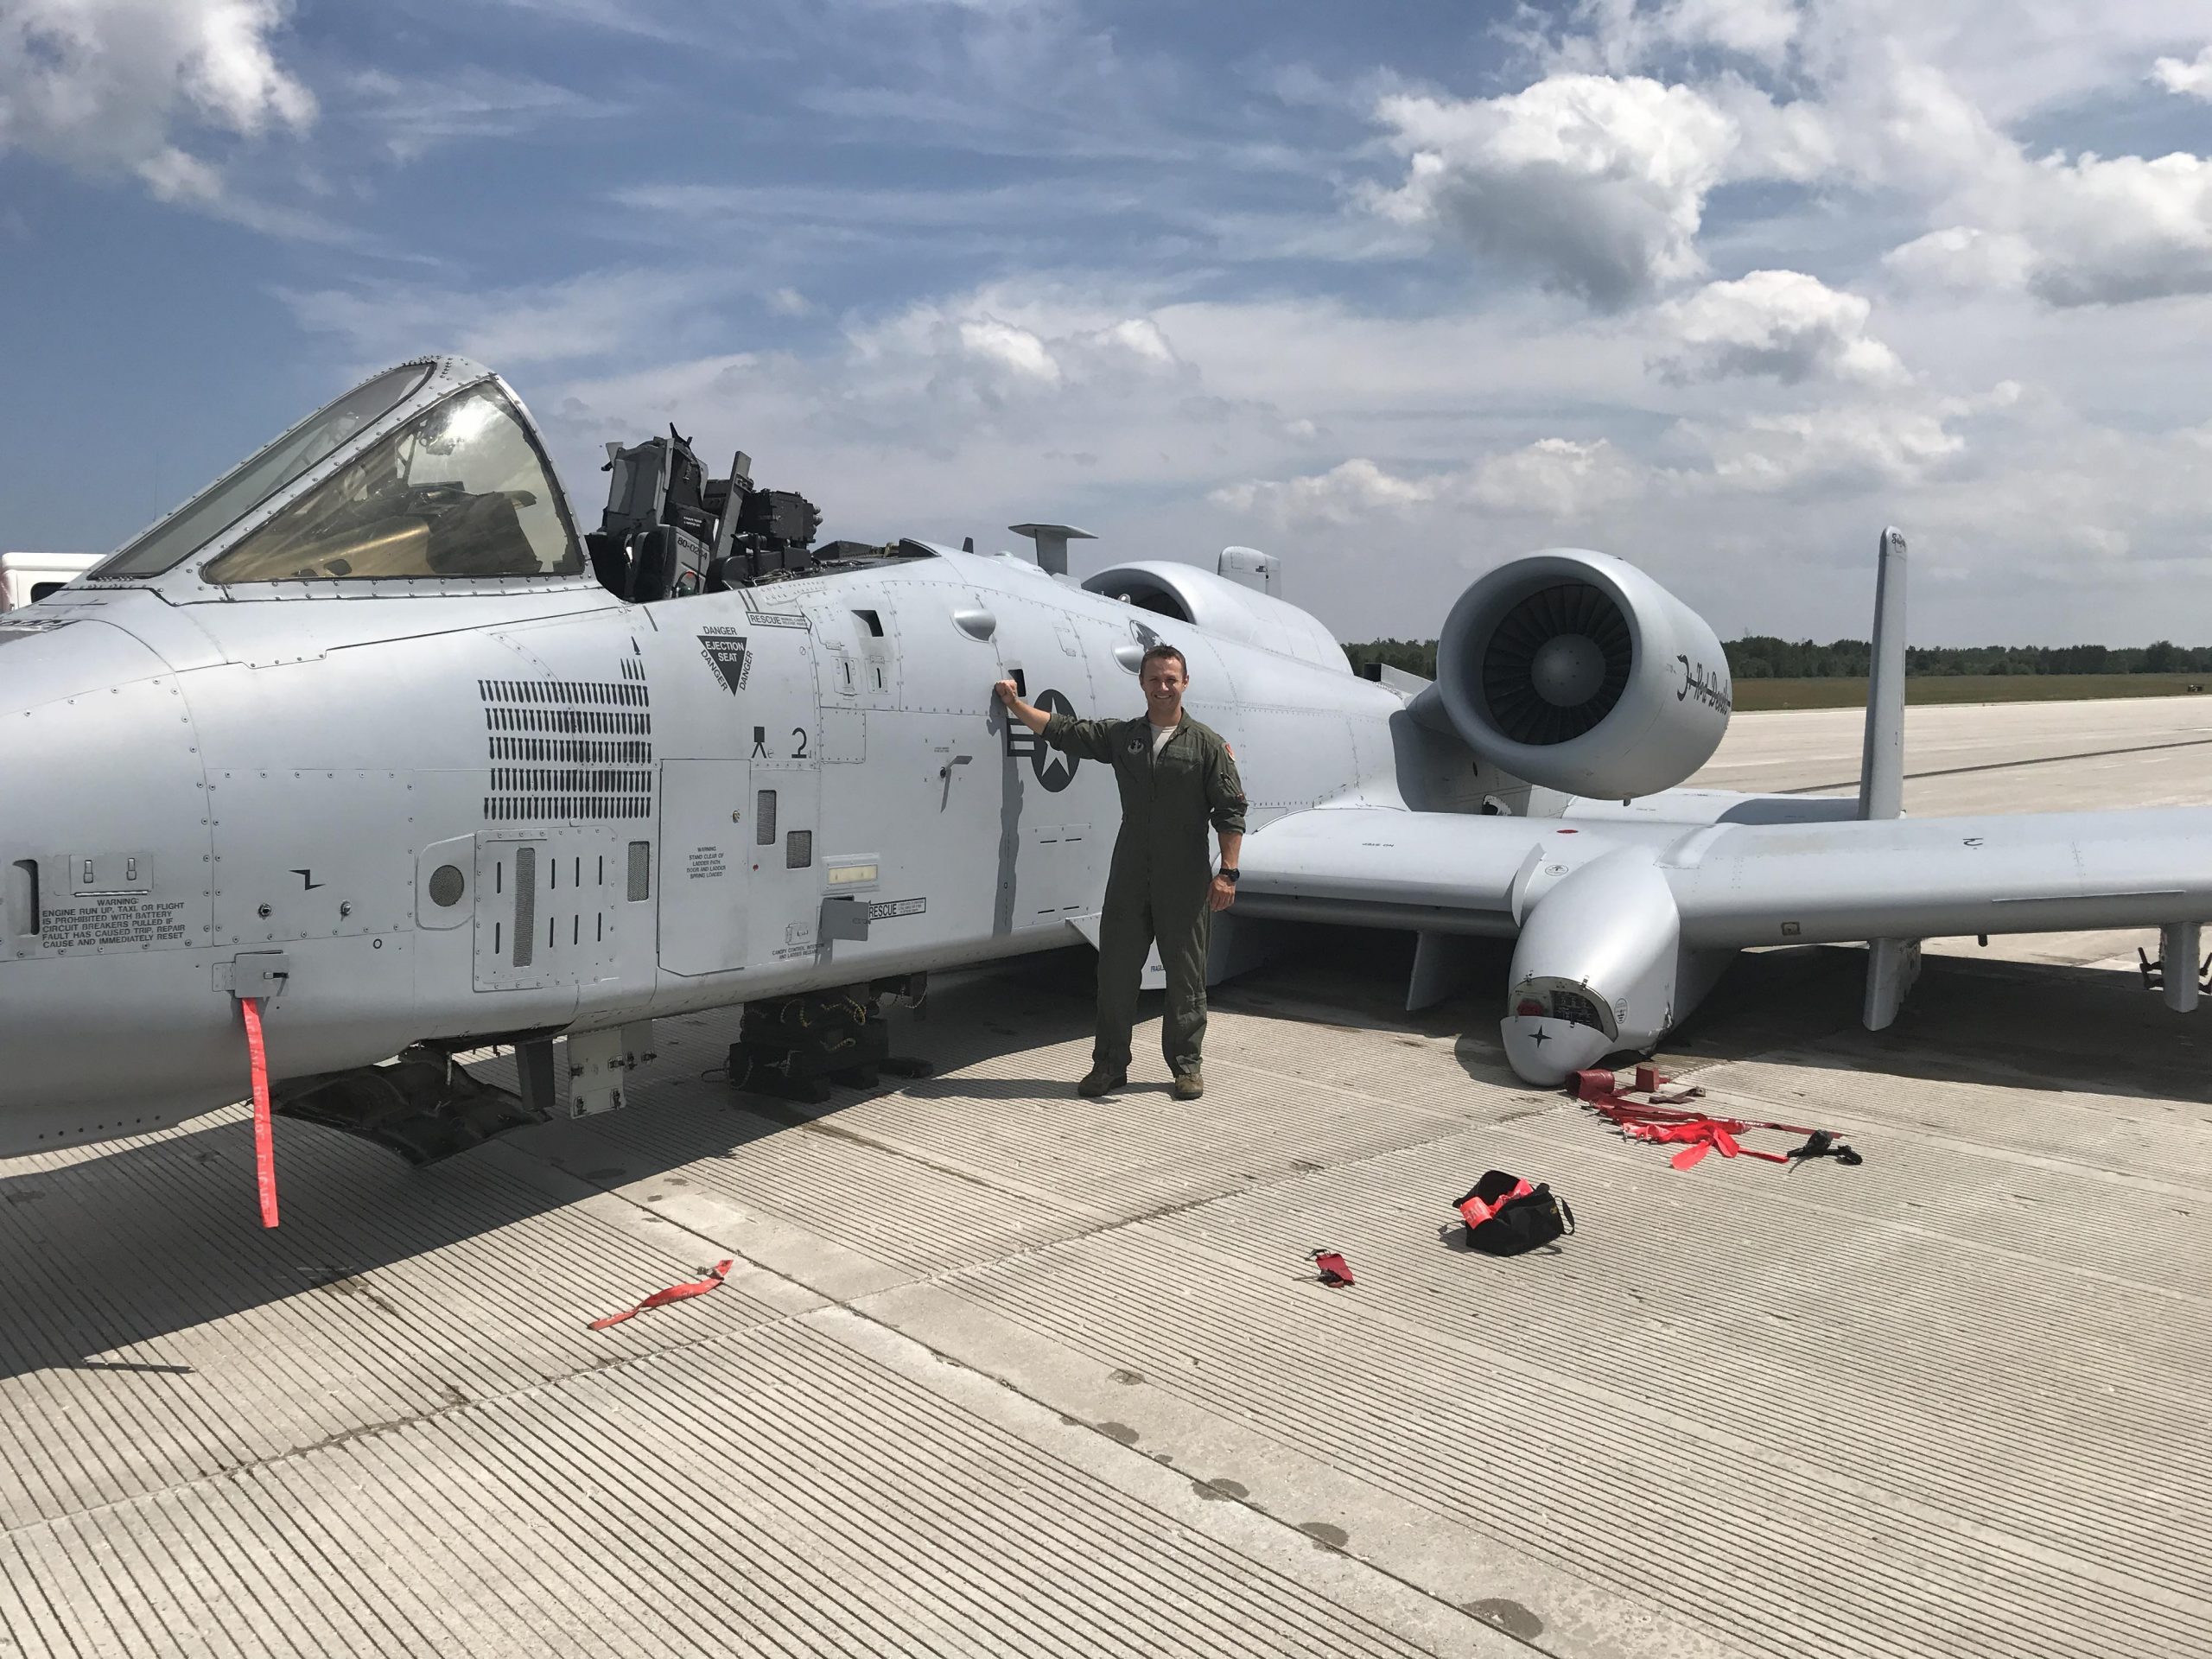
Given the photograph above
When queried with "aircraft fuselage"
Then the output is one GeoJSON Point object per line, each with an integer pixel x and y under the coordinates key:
{"type": "Point", "coordinates": [559, 811]}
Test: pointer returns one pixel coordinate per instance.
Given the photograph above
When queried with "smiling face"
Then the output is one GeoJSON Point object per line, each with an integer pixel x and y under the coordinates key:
{"type": "Point", "coordinates": [1165, 678]}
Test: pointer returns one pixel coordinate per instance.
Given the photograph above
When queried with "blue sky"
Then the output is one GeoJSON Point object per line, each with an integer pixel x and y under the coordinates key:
{"type": "Point", "coordinates": [1395, 291]}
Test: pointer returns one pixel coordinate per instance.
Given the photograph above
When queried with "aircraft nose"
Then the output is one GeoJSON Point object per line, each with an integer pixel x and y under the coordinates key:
{"type": "Point", "coordinates": [104, 885]}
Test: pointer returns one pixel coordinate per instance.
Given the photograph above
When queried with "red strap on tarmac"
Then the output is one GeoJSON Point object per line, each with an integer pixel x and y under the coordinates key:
{"type": "Point", "coordinates": [716, 1274]}
{"type": "Point", "coordinates": [264, 1135]}
{"type": "Point", "coordinates": [1334, 1270]}
{"type": "Point", "coordinates": [1662, 1121]}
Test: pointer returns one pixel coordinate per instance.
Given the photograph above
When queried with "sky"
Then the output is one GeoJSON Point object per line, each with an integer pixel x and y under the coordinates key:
{"type": "Point", "coordinates": [1395, 291]}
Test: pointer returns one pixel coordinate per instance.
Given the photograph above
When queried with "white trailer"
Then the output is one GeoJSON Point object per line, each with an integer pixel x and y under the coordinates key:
{"type": "Point", "coordinates": [26, 578]}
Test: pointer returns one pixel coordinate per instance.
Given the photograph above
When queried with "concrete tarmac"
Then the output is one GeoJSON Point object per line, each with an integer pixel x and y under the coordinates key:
{"type": "Point", "coordinates": [998, 1371]}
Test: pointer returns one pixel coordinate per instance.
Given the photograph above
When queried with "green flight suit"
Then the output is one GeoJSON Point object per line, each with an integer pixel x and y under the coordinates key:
{"type": "Point", "coordinates": [1157, 886]}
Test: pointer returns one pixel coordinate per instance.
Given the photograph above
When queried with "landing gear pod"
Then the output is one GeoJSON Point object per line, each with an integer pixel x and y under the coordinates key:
{"type": "Point", "coordinates": [1600, 968]}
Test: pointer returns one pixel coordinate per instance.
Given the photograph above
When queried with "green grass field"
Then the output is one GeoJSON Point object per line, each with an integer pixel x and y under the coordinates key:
{"type": "Point", "coordinates": [1966, 688]}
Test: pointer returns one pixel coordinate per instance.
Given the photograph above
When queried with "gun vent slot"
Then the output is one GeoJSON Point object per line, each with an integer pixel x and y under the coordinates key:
{"type": "Point", "coordinates": [525, 905]}
{"type": "Point", "coordinates": [27, 869]}
{"type": "Point", "coordinates": [641, 871]}
{"type": "Point", "coordinates": [798, 849]}
{"type": "Point", "coordinates": [764, 819]}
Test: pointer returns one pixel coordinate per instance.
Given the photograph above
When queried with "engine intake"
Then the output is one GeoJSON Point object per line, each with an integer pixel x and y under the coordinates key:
{"type": "Point", "coordinates": [1557, 663]}
{"type": "Point", "coordinates": [1577, 671]}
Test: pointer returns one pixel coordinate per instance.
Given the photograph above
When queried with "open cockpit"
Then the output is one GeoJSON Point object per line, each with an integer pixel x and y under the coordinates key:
{"type": "Point", "coordinates": [426, 477]}
{"type": "Point", "coordinates": [430, 478]}
{"type": "Point", "coordinates": [669, 530]}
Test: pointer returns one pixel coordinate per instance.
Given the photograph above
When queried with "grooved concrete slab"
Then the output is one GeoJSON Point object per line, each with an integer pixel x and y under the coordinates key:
{"type": "Point", "coordinates": [1003, 1372]}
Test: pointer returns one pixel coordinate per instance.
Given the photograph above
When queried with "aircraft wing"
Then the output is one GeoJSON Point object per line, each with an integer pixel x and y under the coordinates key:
{"type": "Point", "coordinates": [1385, 867]}
{"type": "Point", "coordinates": [1925, 877]}
{"type": "Point", "coordinates": [1746, 884]}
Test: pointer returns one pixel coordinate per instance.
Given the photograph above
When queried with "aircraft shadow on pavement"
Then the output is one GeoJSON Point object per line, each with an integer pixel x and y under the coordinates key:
{"type": "Point", "coordinates": [1984, 1020]}
{"type": "Point", "coordinates": [1988, 1020]}
{"type": "Point", "coordinates": [131, 1245]}
{"type": "Point", "coordinates": [158, 1237]}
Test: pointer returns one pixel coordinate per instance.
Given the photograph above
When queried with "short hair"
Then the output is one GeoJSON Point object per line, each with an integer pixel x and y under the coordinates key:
{"type": "Point", "coordinates": [1160, 654]}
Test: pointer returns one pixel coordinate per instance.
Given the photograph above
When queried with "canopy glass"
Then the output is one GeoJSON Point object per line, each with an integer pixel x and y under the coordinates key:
{"type": "Point", "coordinates": [461, 490]}
{"type": "Point", "coordinates": [222, 504]}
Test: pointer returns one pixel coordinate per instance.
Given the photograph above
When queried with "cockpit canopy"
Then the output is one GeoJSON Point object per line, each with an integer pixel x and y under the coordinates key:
{"type": "Point", "coordinates": [461, 490]}
{"type": "Point", "coordinates": [393, 481]}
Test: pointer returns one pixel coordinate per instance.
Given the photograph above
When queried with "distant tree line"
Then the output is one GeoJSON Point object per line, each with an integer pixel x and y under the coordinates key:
{"type": "Point", "coordinates": [1763, 657]}
{"type": "Point", "coordinates": [1413, 656]}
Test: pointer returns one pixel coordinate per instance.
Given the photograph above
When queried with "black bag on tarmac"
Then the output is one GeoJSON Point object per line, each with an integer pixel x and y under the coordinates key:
{"type": "Point", "coordinates": [1507, 1216]}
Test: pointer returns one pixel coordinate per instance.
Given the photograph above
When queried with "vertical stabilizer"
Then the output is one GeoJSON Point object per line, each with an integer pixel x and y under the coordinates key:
{"type": "Point", "coordinates": [1881, 766]}
{"type": "Point", "coordinates": [1891, 964]}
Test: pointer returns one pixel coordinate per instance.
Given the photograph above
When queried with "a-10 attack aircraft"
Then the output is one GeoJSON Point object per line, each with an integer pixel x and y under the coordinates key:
{"type": "Point", "coordinates": [367, 733]}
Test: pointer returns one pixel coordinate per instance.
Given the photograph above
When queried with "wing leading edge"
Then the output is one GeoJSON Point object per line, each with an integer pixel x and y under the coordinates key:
{"type": "Point", "coordinates": [1623, 927]}
{"type": "Point", "coordinates": [1385, 867]}
{"type": "Point", "coordinates": [1740, 884]}
{"type": "Point", "coordinates": [1925, 878]}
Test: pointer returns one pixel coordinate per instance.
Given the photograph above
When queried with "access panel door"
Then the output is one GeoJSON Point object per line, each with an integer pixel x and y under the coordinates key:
{"type": "Point", "coordinates": [778, 730]}
{"type": "Point", "coordinates": [546, 909]}
{"type": "Point", "coordinates": [705, 868]}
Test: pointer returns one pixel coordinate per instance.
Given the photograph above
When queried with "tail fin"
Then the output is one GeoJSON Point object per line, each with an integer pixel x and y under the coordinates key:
{"type": "Point", "coordinates": [1881, 767]}
{"type": "Point", "coordinates": [1891, 964]}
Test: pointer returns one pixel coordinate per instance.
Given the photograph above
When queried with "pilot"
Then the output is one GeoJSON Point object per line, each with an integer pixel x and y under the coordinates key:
{"type": "Point", "coordinates": [1175, 776]}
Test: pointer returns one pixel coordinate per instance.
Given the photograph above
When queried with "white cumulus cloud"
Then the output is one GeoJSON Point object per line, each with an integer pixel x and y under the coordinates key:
{"type": "Point", "coordinates": [1963, 257]}
{"type": "Point", "coordinates": [1782, 323]}
{"type": "Point", "coordinates": [1556, 477]}
{"type": "Point", "coordinates": [2107, 231]}
{"type": "Point", "coordinates": [1016, 351]}
{"type": "Point", "coordinates": [1596, 184]}
{"type": "Point", "coordinates": [1877, 443]}
{"type": "Point", "coordinates": [2090, 230]}
{"type": "Point", "coordinates": [1351, 493]}
{"type": "Point", "coordinates": [997, 348]}
{"type": "Point", "coordinates": [2192, 77]}
{"type": "Point", "coordinates": [1551, 479]}
{"type": "Point", "coordinates": [120, 86]}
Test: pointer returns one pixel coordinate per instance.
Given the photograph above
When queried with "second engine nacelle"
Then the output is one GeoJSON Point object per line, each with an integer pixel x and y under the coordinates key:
{"type": "Point", "coordinates": [1577, 671]}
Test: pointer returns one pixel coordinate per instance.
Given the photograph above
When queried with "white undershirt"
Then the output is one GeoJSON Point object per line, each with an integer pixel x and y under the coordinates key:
{"type": "Point", "coordinates": [1159, 736]}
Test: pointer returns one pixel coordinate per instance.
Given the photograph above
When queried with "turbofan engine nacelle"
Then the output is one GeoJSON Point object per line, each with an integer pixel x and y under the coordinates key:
{"type": "Point", "coordinates": [1579, 672]}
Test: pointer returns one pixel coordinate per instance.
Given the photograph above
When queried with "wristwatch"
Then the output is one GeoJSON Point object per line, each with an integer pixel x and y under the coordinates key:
{"type": "Point", "coordinates": [1228, 873]}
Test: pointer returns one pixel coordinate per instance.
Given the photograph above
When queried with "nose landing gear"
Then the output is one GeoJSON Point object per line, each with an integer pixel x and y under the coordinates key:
{"type": "Point", "coordinates": [793, 1047]}
{"type": "Point", "coordinates": [422, 1106]}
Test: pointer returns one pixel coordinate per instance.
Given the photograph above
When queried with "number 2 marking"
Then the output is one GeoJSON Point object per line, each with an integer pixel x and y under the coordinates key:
{"type": "Point", "coordinates": [799, 732]}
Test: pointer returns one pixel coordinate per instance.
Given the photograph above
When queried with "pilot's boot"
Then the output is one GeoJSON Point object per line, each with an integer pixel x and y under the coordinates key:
{"type": "Point", "coordinates": [1100, 1080]}
{"type": "Point", "coordinates": [1190, 1084]}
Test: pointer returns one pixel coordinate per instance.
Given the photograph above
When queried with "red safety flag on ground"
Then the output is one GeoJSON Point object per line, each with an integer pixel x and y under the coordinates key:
{"type": "Point", "coordinates": [265, 1133]}
{"type": "Point", "coordinates": [716, 1274]}
{"type": "Point", "coordinates": [1334, 1270]}
{"type": "Point", "coordinates": [1662, 1121]}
